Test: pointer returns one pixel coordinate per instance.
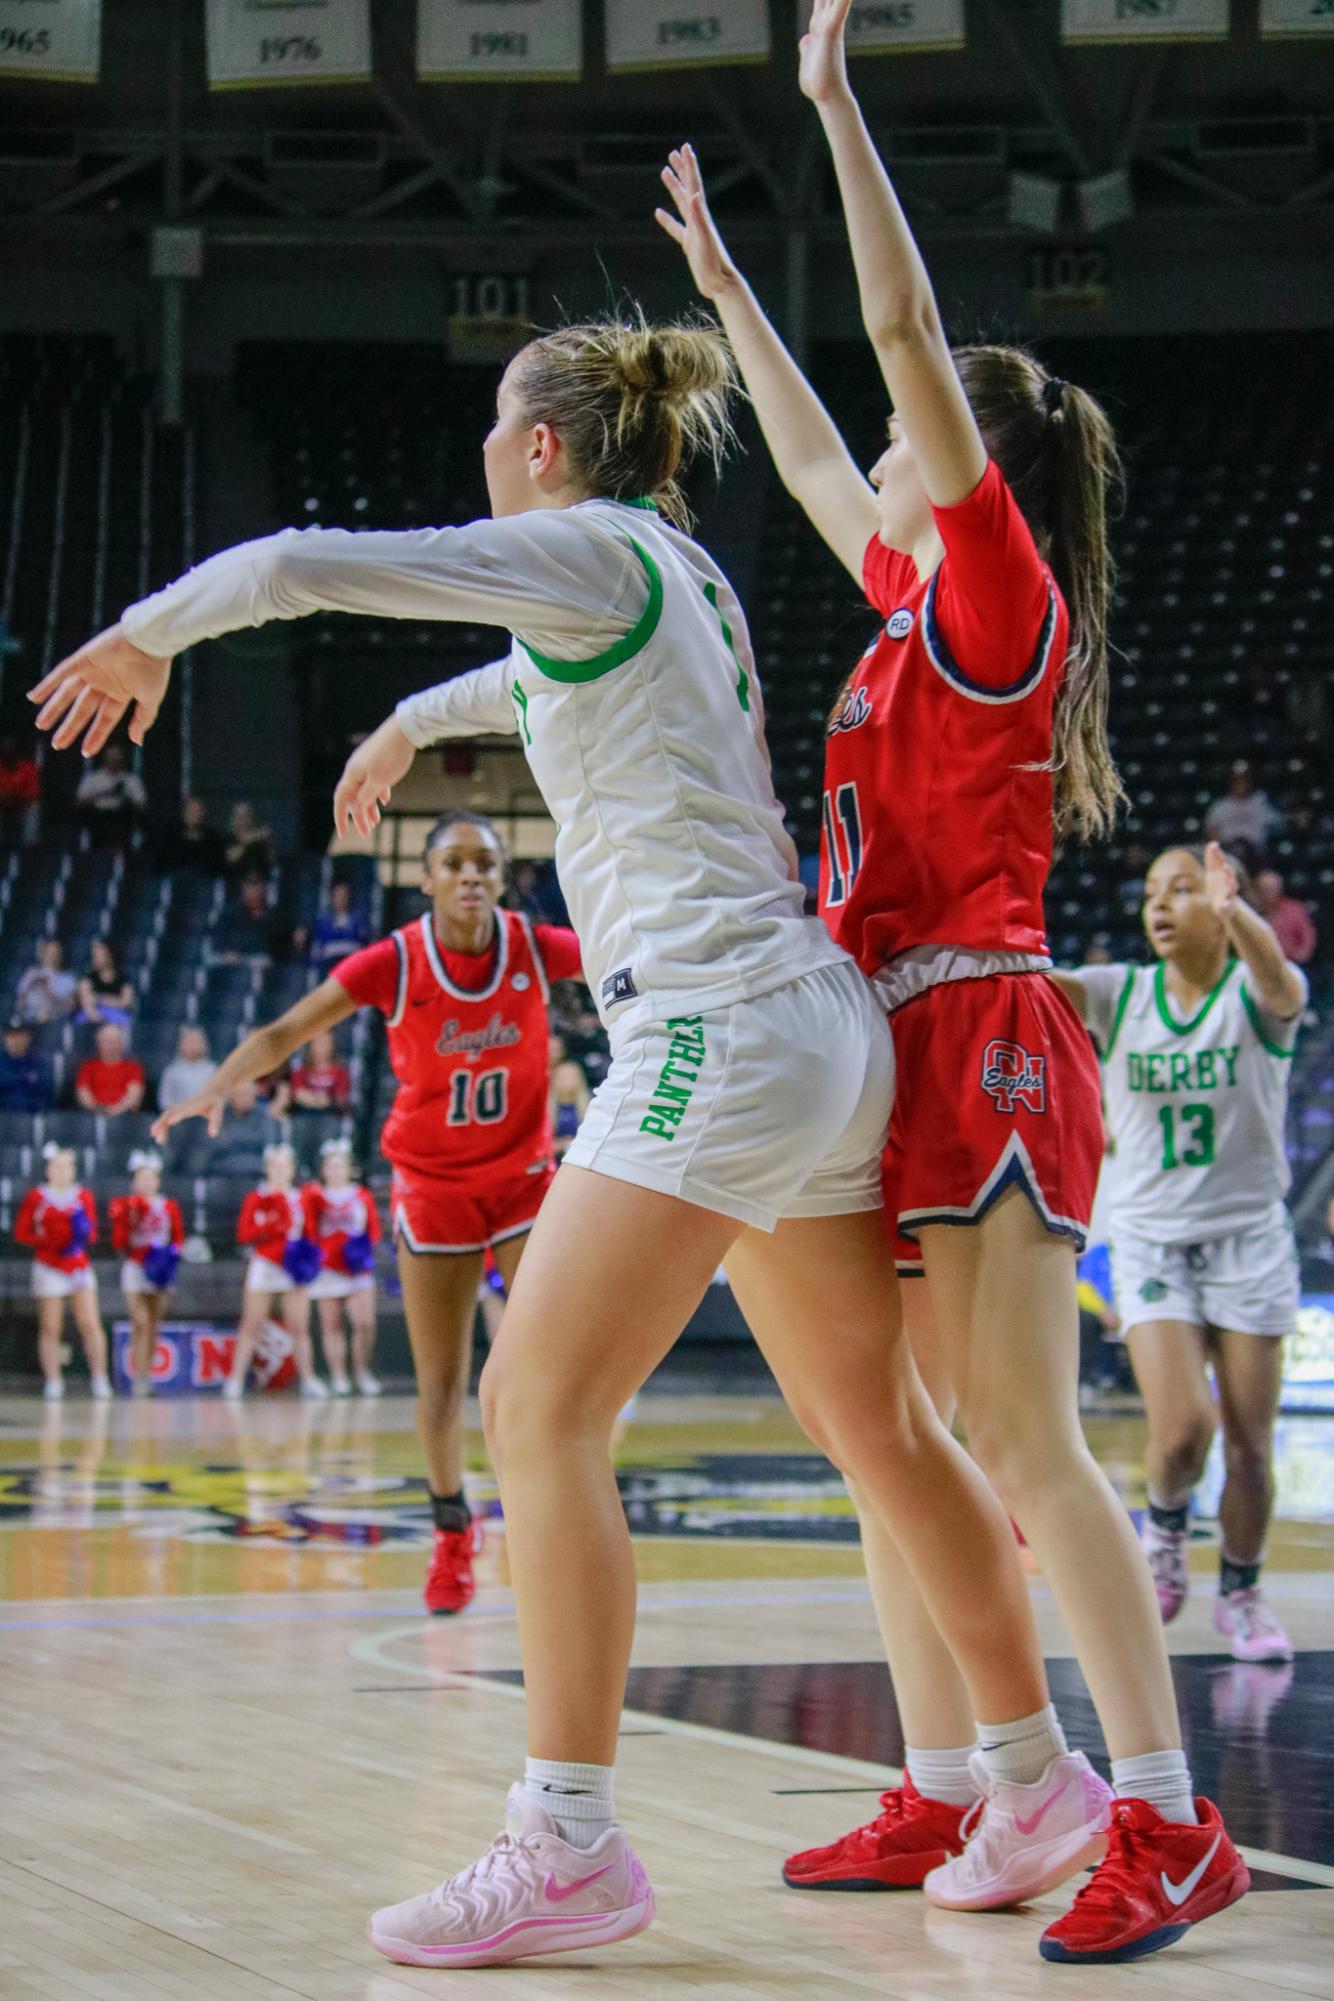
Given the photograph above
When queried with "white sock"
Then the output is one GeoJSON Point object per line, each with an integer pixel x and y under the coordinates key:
{"type": "Point", "coordinates": [1160, 1777]}
{"type": "Point", "coordinates": [578, 1798]}
{"type": "Point", "coordinates": [943, 1775]}
{"type": "Point", "coordinates": [1020, 1752]}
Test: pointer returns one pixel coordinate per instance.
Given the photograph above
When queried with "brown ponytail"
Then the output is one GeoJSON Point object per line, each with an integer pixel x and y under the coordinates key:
{"type": "Point", "coordinates": [1057, 450]}
{"type": "Point", "coordinates": [633, 403]}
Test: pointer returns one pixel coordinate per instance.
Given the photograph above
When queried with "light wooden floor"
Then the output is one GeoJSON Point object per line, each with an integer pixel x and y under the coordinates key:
{"type": "Point", "coordinates": [223, 1740]}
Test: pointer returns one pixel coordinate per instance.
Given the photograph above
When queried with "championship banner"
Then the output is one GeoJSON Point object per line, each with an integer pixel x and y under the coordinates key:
{"type": "Point", "coordinates": [1144, 20]}
{"type": "Point", "coordinates": [57, 41]}
{"type": "Point", "coordinates": [645, 34]}
{"type": "Point", "coordinates": [288, 41]}
{"type": "Point", "coordinates": [1287, 19]}
{"type": "Point", "coordinates": [876, 26]}
{"type": "Point", "coordinates": [469, 41]}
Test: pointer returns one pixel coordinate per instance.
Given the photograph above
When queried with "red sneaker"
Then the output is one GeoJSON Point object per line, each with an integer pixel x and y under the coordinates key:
{"type": "Point", "coordinates": [449, 1581]}
{"type": "Point", "coordinates": [1160, 1878]}
{"type": "Point", "coordinates": [909, 1838]}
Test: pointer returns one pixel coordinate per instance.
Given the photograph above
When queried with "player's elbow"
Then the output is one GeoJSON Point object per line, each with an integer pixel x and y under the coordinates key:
{"type": "Point", "coordinates": [901, 319]}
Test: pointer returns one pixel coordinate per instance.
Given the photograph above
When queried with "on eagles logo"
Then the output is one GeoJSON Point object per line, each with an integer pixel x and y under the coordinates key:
{"type": "Point", "coordinates": [855, 711]}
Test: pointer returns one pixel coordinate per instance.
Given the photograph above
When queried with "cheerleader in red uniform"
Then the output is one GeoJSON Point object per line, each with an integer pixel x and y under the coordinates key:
{"type": "Point", "coordinates": [284, 1258]}
{"type": "Point", "coordinates": [147, 1230]}
{"type": "Point", "coordinates": [347, 1230]}
{"type": "Point", "coordinates": [58, 1221]}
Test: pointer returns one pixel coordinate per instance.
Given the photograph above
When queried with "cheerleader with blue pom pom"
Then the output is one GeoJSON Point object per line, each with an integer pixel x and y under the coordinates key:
{"type": "Point", "coordinates": [276, 1224]}
{"type": "Point", "coordinates": [147, 1230]}
{"type": "Point", "coordinates": [58, 1222]}
{"type": "Point", "coordinates": [346, 1225]}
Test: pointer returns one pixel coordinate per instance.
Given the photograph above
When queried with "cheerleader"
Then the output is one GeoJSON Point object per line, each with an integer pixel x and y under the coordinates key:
{"type": "Point", "coordinates": [147, 1230]}
{"type": "Point", "coordinates": [284, 1258]}
{"type": "Point", "coordinates": [347, 1229]}
{"type": "Point", "coordinates": [58, 1221]}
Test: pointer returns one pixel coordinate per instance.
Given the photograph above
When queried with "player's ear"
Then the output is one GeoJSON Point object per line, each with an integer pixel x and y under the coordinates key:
{"type": "Point", "coordinates": [543, 452]}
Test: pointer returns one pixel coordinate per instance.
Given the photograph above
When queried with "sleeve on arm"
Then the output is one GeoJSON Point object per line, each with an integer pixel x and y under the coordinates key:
{"type": "Point", "coordinates": [991, 611]}
{"type": "Point", "coordinates": [474, 704]}
{"type": "Point", "coordinates": [553, 579]}
{"type": "Point", "coordinates": [370, 976]}
{"type": "Point", "coordinates": [559, 949]}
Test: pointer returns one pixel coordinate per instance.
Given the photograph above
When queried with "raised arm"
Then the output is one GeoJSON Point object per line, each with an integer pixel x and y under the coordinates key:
{"type": "Point", "coordinates": [475, 704]}
{"type": "Point", "coordinates": [1275, 985]}
{"type": "Point", "coordinates": [812, 460]}
{"type": "Point", "coordinates": [898, 305]}
{"type": "Point", "coordinates": [263, 1050]}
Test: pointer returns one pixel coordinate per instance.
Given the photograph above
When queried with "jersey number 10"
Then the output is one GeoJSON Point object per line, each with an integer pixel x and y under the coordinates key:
{"type": "Point", "coordinates": [475, 1100]}
{"type": "Point", "coordinates": [842, 815]}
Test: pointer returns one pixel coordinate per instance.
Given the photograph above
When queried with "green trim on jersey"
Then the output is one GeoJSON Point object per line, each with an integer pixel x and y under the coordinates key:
{"type": "Point", "coordinates": [639, 635]}
{"type": "Point", "coordinates": [1123, 1002]}
{"type": "Point", "coordinates": [1253, 1014]}
{"type": "Point", "coordinates": [1165, 1014]}
{"type": "Point", "coordinates": [641, 500]}
{"type": "Point", "coordinates": [742, 680]}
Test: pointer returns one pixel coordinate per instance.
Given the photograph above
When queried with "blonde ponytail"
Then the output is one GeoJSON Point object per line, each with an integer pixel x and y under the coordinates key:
{"type": "Point", "coordinates": [633, 404]}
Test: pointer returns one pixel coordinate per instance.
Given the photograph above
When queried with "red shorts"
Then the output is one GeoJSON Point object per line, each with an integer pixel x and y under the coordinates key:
{"type": "Point", "coordinates": [997, 1087]}
{"type": "Point", "coordinates": [445, 1216]}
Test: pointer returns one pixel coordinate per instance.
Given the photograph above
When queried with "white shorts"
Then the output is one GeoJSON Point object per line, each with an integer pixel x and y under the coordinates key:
{"type": "Point", "coordinates": [48, 1283]}
{"type": "Point", "coordinates": [1249, 1281]}
{"type": "Point", "coordinates": [341, 1284]}
{"type": "Point", "coordinates": [134, 1280]}
{"type": "Point", "coordinates": [776, 1107]}
{"type": "Point", "coordinates": [263, 1275]}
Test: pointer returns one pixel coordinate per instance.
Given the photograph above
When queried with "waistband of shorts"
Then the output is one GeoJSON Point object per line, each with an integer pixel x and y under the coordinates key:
{"type": "Point", "coordinates": [926, 966]}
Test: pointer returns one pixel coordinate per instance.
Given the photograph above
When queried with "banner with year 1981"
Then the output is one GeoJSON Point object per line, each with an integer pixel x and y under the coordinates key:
{"type": "Point", "coordinates": [471, 40]}
{"type": "Point", "coordinates": [1144, 20]}
{"type": "Point", "coordinates": [288, 41]}
{"type": "Point", "coordinates": [884, 25]}
{"type": "Point", "coordinates": [57, 41]}
{"type": "Point", "coordinates": [653, 34]}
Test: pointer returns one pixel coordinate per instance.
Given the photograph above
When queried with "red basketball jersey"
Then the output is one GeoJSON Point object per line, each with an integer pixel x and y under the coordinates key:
{"type": "Point", "coordinates": [340, 1213]}
{"type": "Point", "coordinates": [141, 1223]}
{"type": "Point", "coordinates": [471, 1059]}
{"type": "Point", "coordinates": [937, 806]}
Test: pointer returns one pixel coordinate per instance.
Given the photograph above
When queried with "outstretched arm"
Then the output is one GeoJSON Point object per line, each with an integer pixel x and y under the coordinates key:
{"type": "Point", "coordinates": [898, 305]}
{"type": "Point", "coordinates": [263, 1050]}
{"type": "Point", "coordinates": [812, 460]}
{"type": "Point", "coordinates": [475, 704]}
{"type": "Point", "coordinates": [1277, 986]}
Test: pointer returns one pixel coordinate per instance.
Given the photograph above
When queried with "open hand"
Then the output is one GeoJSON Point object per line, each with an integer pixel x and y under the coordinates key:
{"type": "Point", "coordinates": [692, 226]}
{"type": "Point", "coordinates": [1220, 881]}
{"type": "Point", "coordinates": [209, 1103]}
{"type": "Point", "coordinates": [369, 777]}
{"type": "Point", "coordinates": [823, 69]}
{"type": "Point", "coordinates": [88, 693]}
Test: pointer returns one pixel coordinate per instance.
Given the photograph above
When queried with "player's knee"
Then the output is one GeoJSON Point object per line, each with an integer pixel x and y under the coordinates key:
{"type": "Point", "coordinates": [1184, 1445]}
{"type": "Point", "coordinates": [1246, 1457]}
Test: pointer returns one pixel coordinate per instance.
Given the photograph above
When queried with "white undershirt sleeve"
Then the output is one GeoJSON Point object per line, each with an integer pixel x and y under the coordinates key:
{"type": "Point", "coordinates": [473, 704]}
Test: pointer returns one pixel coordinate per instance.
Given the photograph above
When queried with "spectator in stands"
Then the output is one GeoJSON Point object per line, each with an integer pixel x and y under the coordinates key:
{"type": "Point", "coordinates": [1135, 862]}
{"type": "Point", "coordinates": [247, 933]}
{"type": "Point", "coordinates": [1243, 819]}
{"type": "Point", "coordinates": [569, 1101]}
{"type": "Point", "coordinates": [112, 1081]}
{"type": "Point", "coordinates": [189, 1070]}
{"type": "Point", "coordinates": [46, 991]}
{"type": "Point", "coordinates": [1290, 921]}
{"type": "Point", "coordinates": [194, 844]}
{"type": "Point", "coordinates": [1099, 951]}
{"type": "Point", "coordinates": [25, 1080]}
{"type": "Point", "coordinates": [20, 794]}
{"type": "Point", "coordinates": [111, 799]}
{"type": "Point", "coordinates": [339, 929]}
{"type": "Point", "coordinates": [522, 894]}
{"type": "Point", "coordinates": [246, 1131]}
{"type": "Point", "coordinates": [320, 1083]}
{"type": "Point", "coordinates": [586, 1039]}
{"type": "Point", "coordinates": [105, 994]}
{"type": "Point", "coordinates": [249, 849]}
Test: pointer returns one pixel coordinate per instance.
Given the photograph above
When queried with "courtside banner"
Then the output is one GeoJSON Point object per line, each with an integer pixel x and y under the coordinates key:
{"type": "Point", "coordinates": [1144, 20]}
{"type": "Point", "coordinates": [288, 41]}
{"type": "Point", "coordinates": [879, 26]}
{"type": "Point", "coordinates": [644, 34]}
{"type": "Point", "coordinates": [471, 40]}
{"type": "Point", "coordinates": [1282, 19]}
{"type": "Point", "coordinates": [57, 41]}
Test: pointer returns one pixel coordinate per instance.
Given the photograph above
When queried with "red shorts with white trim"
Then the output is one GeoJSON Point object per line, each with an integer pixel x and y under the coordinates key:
{"type": "Point", "coordinates": [998, 1088]}
{"type": "Point", "coordinates": [445, 1216]}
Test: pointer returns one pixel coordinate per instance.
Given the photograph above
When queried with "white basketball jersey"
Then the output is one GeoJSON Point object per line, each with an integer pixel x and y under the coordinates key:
{"type": "Point", "coordinates": [1195, 1108]}
{"type": "Point", "coordinates": [632, 687]}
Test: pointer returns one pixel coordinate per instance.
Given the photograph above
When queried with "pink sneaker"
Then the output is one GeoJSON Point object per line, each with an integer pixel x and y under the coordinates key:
{"type": "Point", "coordinates": [1244, 1618]}
{"type": "Point", "coordinates": [530, 1893]}
{"type": "Point", "coordinates": [1166, 1551]}
{"type": "Point", "coordinates": [1023, 1840]}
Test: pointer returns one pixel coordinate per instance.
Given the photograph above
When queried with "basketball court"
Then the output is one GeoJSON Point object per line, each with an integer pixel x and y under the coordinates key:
{"type": "Point", "coordinates": [230, 1731]}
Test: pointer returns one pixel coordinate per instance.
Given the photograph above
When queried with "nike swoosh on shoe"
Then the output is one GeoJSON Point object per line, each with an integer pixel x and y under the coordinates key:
{"type": "Point", "coordinates": [556, 1893]}
{"type": "Point", "coordinates": [1027, 1827]}
{"type": "Point", "coordinates": [1177, 1893]}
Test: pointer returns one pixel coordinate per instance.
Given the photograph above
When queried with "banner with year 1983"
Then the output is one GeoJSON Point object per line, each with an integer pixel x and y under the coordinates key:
{"type": "Point", "coordinates": [57, 41]}
{"type": "Point", "coordinates": [471, 40]}
{"type": "Point", "coordinates": [655, 34]}
{"type": "Point", "coordinates": [288, 41]}
{"type": "Point", "coordinates": [1144, 20]}
{"type": "Point", "coordinates": [1284, 18]}
{"type": "Point", "coordinates": [878, 26]}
